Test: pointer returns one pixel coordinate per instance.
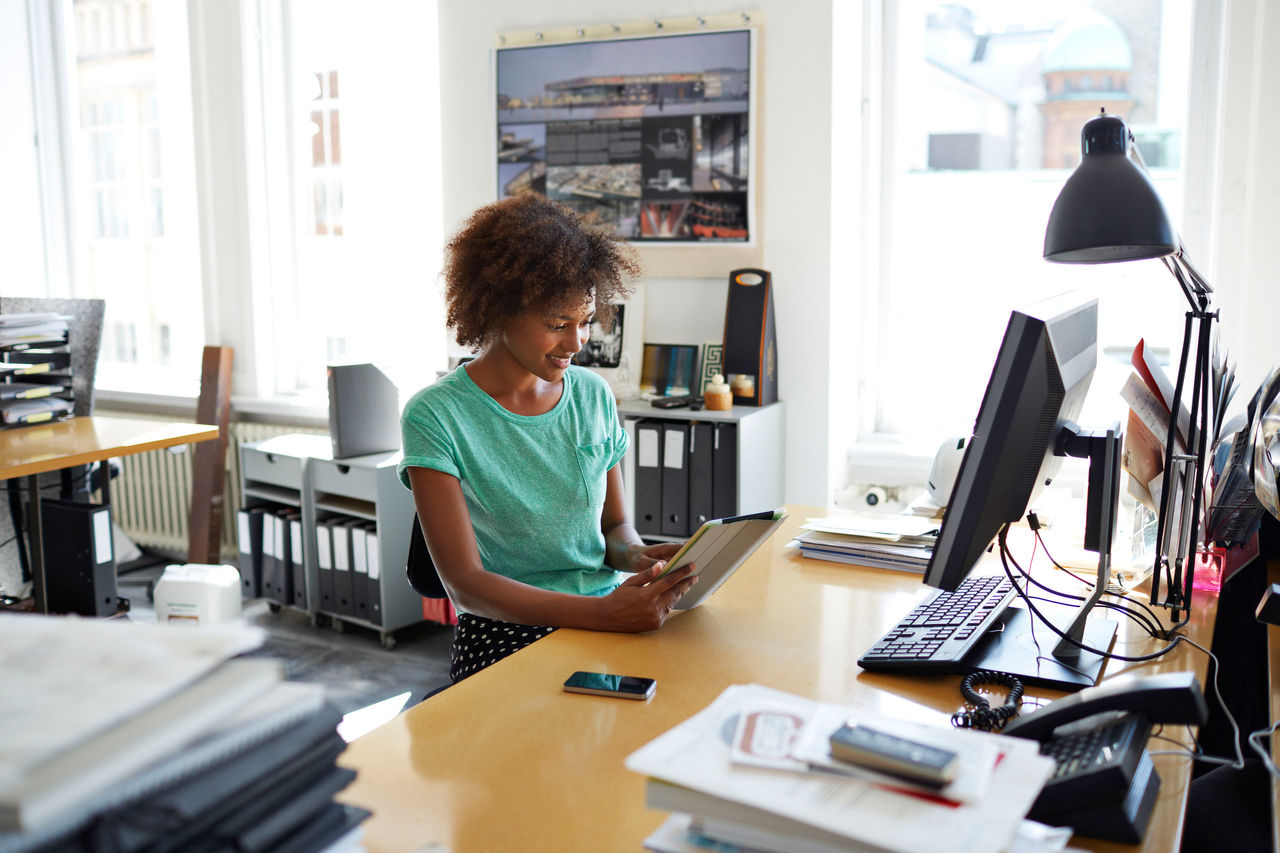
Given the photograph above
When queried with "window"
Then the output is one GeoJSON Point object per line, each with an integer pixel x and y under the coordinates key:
{"type": "Point", "coordinates": [317, 151]}
{"type": "Point", "coordinates": [983, 104]}
{"type": "Point", "coordinates": [129, 72]}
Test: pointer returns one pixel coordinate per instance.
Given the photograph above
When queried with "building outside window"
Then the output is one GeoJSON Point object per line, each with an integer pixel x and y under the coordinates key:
{"type": "Point", "coordinates": [984, 103]}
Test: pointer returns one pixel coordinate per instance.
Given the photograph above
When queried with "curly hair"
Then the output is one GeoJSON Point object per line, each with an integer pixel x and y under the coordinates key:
{"type": "Point", "coordinates": [529, 253]}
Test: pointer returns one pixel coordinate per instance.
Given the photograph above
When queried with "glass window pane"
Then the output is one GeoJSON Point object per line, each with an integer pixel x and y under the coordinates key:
{"type": "Point", "coordinates": [135, 186]}
{"type": "Point", "coordinates": [985, 104]}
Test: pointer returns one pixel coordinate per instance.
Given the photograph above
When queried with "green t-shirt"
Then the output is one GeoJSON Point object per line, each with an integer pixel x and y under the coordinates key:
{"type": "Point", "coordinates": [534, 485]}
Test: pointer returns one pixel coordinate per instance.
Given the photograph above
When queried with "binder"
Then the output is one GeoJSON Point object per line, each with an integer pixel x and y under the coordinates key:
{"type": "Point", "coordinates": [77, 540]}
{"type": "Point", "coordinates": [373, 557]}
{"type": "Point", "coordinates": [343, 591]}
{"type": "Point", "coordinates": [675, 479]}
{"type": "Point", "coordinates": [648, 518]}
{"type": "Point", "coordinates": [297, 563]}
{"type": "Point", "coordinates": [701, 475]}
{"type": "Point", "coordinates": [359, 571]}
{"type": "Point", "coordinates": [275, 556]}
{"type": "Point", "coordinates": [249, 529]}
{"type": "Point", "coordinates": [324, 564]}
{"type": "Point", "coordinates": [724, 475]}
{"type": "Point", "coordinates": [628, 470]}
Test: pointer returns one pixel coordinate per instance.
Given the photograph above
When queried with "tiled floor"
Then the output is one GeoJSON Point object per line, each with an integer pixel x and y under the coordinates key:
{"type": "Point", "coordinates": [354, 668]}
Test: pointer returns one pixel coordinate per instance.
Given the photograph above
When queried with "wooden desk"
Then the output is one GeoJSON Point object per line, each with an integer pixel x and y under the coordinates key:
{"type": "Point", "coordinates": [31, 451]}
{"type": "Point", "coordinates": [506, 761]}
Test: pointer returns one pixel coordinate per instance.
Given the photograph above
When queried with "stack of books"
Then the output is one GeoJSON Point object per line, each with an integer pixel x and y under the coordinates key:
{"type": "Point", "coordinates": [901, 542]}
{"type": "Point", "coordinates": [124, 736]}
{"type": "Point", "coordinates": [754, 771]}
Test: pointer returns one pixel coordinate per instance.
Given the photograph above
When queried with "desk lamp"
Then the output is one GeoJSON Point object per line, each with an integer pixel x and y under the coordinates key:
{"type": "Point", "coordinates": [1109, 211]}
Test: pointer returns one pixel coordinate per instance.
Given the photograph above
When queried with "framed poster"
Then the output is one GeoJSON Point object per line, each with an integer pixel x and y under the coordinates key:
{"type": "Point", "coordinates": [652, 134]}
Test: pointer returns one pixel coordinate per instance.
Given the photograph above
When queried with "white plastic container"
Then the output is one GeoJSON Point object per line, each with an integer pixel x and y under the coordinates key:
{"type": "Point", "coordinates": [197, 594]}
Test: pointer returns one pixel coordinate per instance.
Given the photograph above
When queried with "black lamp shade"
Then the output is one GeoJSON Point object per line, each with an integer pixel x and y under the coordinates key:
{"type": "Point", "coordinates": [1109, 209]}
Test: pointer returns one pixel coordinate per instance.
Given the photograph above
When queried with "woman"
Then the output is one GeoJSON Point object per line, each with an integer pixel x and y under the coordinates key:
{"type": "Point", "coordinates": [513, 457]}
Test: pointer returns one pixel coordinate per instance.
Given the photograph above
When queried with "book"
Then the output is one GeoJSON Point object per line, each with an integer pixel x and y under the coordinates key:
{"type": "Point", "coordinates": [57, 787]}
{"type": "Point", "coordinates": [95, 700]}
{"type": "Point", "coordinates": [690, 770]}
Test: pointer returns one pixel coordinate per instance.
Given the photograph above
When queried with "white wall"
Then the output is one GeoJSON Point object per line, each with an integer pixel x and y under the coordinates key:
{"type": "Point", "coordinates": [794, 188]}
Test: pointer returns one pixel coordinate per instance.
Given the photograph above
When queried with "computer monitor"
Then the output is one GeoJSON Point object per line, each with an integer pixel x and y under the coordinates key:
{"type": "Point", "coordinates": [1025, 426]}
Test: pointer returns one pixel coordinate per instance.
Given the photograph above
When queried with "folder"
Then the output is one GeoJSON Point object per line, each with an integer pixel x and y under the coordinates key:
{"type": "Point", "coordinates": [360, 571]}
{"type": "Point", "coordinates": [324, 564]}
{"type": "Point", "coordinates": [296, 577]}
{"type": "Point", "coordinates": [249, 529]}
{"type": "Point", "coordinates": [275, 556]}
{"type": "Point", "coordinates": [373, 557]}
{"type": "Point", "coordinates": [701, 475]}
{"type": "Point", "coordinates": [343, 593]}
{"type": "Point", "coordinates": [648, 518]}
{"type": "Point", "coordinates": [725, 471]}
{"type": "Point", "coordinates": [675, 479]}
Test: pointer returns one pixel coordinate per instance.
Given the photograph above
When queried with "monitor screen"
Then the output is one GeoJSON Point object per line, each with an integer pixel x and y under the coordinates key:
{"type": "Point", "coordinates": [1039, 382]}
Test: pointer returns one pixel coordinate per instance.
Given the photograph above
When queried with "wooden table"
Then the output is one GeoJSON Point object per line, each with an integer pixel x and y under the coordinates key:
{"type": "Point", "coordinates": [507, 761]}
{"type": "Point", "coordinates": [31, 451]}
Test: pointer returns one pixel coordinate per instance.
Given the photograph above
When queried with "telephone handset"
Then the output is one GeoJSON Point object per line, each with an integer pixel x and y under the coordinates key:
{"type": "Point", "coordinates": [1104, 784]}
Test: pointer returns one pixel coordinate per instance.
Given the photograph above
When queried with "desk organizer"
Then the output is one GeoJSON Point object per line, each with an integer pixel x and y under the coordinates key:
{"type": "Point", "coordinates": [35, 369]}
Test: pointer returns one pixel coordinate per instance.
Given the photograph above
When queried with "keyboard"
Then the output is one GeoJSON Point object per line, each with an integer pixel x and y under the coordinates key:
{"type": "Point", "coordinates": [943, 628]}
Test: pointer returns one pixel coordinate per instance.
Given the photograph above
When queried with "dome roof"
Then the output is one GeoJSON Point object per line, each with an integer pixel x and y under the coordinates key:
{"type": "Point", "coordinates": [1085, 42]}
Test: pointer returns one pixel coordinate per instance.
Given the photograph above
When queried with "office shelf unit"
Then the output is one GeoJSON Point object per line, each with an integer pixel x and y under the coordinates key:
{"type": "Point", "coordinates": [744, 472]}
{"type": "Point", "coordinates": [34, 373]}
{"type": "Point", "coordinates": [362, 496]}
{"type": "Point", "coordinates": [273, 480]}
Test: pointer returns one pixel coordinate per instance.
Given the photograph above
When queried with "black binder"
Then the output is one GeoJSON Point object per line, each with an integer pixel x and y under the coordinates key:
{"type": "Point", "coordinates": [725, 471]}
{"type": "Point", "coordinates": [343, 585]}
{"type": "Point", "coordinates": [701, 475]}
{"type": "Point", "coordinates": [273, 563]}
{"type": "Point", "coordinates": [296, 589]}
{"type": "Point", "coordinates": [374, 577]}
{"type": "Point", "coordinates": [324, 564]}
{"type": "Point", "coordinates": [249, 528]}
{"type": "Point", "coordinates": [360, 570]}
{"type": "Point", "coordinates": [675, 479]}
{"type": "Point", "coordinates": [649, 478]}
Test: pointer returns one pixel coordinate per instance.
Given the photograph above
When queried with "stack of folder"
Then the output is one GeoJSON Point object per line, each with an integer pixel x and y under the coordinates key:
{"type": "Point", "coordinates": [754, 771]}
{"type": "Point", "coordinates": [901, 542]}
{"type": "Point", "coordinates": [125, 736]}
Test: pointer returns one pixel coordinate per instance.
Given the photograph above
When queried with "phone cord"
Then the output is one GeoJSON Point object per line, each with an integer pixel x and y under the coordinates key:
{"type": "Point", "coordinates": [978, 713]}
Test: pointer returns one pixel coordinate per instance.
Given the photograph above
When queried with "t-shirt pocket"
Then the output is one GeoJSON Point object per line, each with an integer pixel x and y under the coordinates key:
{"type": "Point", "coordinates": [593, 461]}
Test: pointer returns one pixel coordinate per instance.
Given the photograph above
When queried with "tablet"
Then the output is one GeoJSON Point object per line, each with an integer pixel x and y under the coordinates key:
{"type": "Point", "coordinates": [719, 547]}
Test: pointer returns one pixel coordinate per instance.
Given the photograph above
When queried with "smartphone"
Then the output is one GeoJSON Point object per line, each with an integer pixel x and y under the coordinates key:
{"type": "Point", "coordinates": [604, 684]}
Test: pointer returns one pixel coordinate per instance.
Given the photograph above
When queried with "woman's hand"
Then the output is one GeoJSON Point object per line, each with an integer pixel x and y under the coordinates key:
{"type": "Point", "coordinates": [643, 558]}
{"type": "Point", "coordinates": [644, 601]}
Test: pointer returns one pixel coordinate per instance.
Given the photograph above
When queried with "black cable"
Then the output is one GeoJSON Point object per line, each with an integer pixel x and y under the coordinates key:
{"type": "Point", "coordinates": [1090, 584]}
{"type": "Point", "coordinates": [1146, 625]}
{"type": "Point", "coordinates": [1035, 611]}
{"type": "Point", "coordinates": [978, 713]}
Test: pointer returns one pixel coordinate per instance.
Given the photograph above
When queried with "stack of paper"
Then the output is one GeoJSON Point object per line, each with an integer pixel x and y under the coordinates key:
{"type": "Point", "coordinates": [17, 330]}
{"type": "Point", "coordinates": [128, 734]}
{"type": "Point", "coordinates": [752, 770]}
{"type": "Point", "coordinates": [902, 542]}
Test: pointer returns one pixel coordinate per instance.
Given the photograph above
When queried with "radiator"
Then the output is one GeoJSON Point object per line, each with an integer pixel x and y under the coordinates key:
{"type": "Point", "coordinates": [151, 497]}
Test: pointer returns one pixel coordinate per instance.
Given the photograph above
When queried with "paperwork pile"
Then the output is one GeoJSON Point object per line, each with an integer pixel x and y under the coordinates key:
{"type": "Point", "coordinates": [752, 770]}
{"type": "Point", "coordinates": [122, 735]}
{"type": "Point", "coordinates": [902, 542]}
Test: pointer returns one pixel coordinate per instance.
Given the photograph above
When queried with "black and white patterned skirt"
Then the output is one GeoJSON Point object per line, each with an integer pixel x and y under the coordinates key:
{"type": "Point", "coordinates": [478, 642]}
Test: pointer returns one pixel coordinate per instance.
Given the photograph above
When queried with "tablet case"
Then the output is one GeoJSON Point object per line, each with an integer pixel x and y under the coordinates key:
{"type": "Point", "coordinates": [719, 548]}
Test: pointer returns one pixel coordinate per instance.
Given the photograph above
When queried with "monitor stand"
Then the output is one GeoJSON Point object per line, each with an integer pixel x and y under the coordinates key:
{"type": "Point", "coordinates": [1011, 647]}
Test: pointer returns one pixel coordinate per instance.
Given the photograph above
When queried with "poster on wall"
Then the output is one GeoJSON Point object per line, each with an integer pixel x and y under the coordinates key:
{"type": "Point", "coordinates": [651, 134]}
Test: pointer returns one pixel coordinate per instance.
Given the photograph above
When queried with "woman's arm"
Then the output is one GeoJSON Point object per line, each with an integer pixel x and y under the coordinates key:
{"type": "Point", "coordinates": [625, 551]}
{"type": "Point", "coordinates": [637, 605]}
